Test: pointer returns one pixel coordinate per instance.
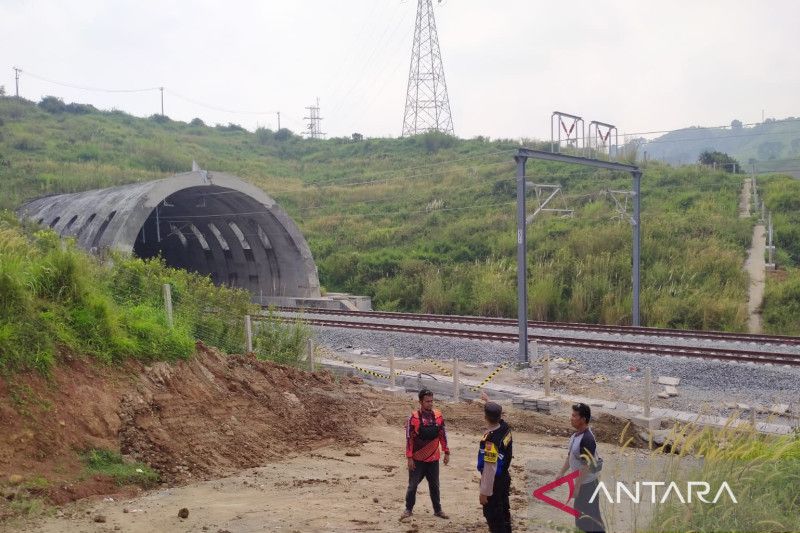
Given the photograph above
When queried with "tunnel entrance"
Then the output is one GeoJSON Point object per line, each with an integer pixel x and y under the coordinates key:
{"type": "Point", "coordinates": [223, 234]}
{"type": "Point", "coordinates": [213, 224]}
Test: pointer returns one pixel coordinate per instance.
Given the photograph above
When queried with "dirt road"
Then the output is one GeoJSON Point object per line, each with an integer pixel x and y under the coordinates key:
{"type": "Point", "coordinates": [329, 490]}
{"type": "Point", "coordinates": [754, 265]}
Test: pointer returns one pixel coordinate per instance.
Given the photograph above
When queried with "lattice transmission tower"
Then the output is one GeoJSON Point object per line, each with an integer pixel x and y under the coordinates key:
{"type": "Point", "coordinates": [313, 130]}
{"type": "Point", "coordinates": [427, 104]}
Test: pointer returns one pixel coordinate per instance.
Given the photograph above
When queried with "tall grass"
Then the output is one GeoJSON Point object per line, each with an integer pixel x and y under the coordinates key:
{"type": "Point", "coordinates": [762, 471]}
{"type": "Point", "coordinates": [56, 297]}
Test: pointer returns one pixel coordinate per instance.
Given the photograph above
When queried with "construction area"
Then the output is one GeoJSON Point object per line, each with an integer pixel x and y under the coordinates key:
{"type": "Point", "coordinates": [238, 442]}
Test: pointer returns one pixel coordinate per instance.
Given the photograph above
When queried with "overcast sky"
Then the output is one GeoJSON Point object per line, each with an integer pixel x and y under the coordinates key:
{"type": "Point", "coordinates": [642, 65]}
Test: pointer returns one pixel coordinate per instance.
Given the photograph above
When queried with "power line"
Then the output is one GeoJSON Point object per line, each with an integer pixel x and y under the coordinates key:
{"type": "Point", "coordinates": [85, 88]}
{"type": "Point", "coordinates": [216, 108]}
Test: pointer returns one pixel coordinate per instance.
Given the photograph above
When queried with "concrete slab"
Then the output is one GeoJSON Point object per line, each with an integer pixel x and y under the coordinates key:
{"type": "Point", "coordinates": [671, 390]}
{"type": "Point", "coordinates": [779, 409]}
{"type": "Point", "coordinates": [666, 380]}
{"type": "Point", "coordinates": [648, 422]}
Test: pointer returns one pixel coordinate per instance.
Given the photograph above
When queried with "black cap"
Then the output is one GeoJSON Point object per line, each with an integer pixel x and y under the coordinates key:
{"type": "Point", "coordinates": [493, 411]}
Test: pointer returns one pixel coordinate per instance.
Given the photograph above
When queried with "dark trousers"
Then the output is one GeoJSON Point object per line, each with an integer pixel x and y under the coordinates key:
{"type": "Point", "coordinates": [590, 519]}
{"type": "Point", "coordinates": [430, 471]}
{"type": "Point", "coordinates": [497, 510]}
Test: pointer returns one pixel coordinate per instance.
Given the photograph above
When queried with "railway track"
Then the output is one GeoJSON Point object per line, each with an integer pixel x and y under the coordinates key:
{"type": "Point", "coordinates": [721, 354]}
{"type": "Point", "coordinates": [569, 326]}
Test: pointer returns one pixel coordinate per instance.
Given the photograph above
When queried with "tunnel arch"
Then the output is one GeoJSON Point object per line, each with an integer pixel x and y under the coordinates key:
{"type": "Point", "coordinates": [207, 222]}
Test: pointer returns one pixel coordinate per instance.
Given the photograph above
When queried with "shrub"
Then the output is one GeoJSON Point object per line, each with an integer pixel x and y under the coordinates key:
{"type": "Point", "coordinates": [52, 104]}
{"type": "Point", "coordinates": [280, 342]}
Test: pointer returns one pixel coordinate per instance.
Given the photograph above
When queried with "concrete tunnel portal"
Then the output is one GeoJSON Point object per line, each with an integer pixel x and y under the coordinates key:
{"type": "Point", "coordinates": [214, 224]}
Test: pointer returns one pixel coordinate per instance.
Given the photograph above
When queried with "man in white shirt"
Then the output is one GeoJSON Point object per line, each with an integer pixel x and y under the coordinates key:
{"type": "Point", "coordinates": [582, 456]}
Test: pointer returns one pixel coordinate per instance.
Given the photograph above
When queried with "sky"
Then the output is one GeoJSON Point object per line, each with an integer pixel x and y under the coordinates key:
{"type": "Point", "coordinates": [641, 65]}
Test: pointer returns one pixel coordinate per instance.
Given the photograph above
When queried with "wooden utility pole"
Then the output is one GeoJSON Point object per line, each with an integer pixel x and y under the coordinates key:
{"type": "Point", "coordinates": [16, 79]}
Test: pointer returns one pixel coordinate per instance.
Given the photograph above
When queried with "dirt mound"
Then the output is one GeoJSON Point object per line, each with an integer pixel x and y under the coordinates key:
{"type": "Point", "coordinates": [44, 420]}
{"type": "Point", "coordinates": [216, 414]}
{"type": "Point", "coordinates": [202, 418]}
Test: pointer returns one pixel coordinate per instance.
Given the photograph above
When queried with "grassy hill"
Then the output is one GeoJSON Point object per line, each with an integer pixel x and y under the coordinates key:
{"type": "Point", "coordinates": [423, 223]}
{"type": "Point", "coordinates": [774, 145]}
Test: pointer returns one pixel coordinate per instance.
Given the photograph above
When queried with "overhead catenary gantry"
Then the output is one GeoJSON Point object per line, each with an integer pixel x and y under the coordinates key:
{"type": "Point", "coordinates": [521, 159]}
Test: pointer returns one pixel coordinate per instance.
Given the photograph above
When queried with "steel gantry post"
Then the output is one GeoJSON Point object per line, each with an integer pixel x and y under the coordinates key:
{"type": "Point", "coordinates": [637, 245]}
{"type": "Point", "coordinates": [522, 284]}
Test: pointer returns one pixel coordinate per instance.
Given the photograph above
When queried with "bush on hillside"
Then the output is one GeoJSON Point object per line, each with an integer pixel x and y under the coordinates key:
{"type": "Point", "coordinates": [52, 104]}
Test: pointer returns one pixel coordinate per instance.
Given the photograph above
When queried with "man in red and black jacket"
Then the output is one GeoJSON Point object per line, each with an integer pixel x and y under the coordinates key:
{"type": "Point", "coordinates": [425, 432]}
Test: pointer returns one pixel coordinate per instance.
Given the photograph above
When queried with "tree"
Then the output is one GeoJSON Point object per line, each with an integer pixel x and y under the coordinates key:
{"type": "Point", "coordinates": [736, 124]}
{"type": "Point", "coordinates": [197, 122]}
{"type": "Point", "coordinates": [2, 90]}
{"type": "Point", "coordinates": [720, 160]}
{"type": "Point", "coordinates": [357, 137]}
{"type": "Point", "coordinates": [51, 104]}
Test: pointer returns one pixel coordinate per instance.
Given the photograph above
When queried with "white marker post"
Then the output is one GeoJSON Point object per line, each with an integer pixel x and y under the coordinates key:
{"type": "Point", "coordinates": [456, 384]}
{"type": "Point", "coordinates": [248, 334]}
{"type": "Point", "coordinates": [167, 290]}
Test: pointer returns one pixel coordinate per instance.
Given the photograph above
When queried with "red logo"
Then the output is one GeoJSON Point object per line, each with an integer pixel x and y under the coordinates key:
{"type": "Point", "coordinates": [569, 478]}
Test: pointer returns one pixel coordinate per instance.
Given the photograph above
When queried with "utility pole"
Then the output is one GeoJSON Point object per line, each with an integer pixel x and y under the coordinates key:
{"type": "Point", "coordinates": [427, 103]}
{"type": "Point", "coordinates": [162, 100]}
{"type": "Point", "coordinates": [314, 120]}
{"type": "Point", "coordinates": [279, 120]}
{"type": "Point", "coordinates": [16, 79]}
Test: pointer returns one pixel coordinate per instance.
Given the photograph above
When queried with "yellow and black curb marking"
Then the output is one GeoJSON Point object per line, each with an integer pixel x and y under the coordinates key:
{"type": "Point", "coordinates": [333, 355]}
{"type": "Point", "coordinates": [443, 369]}
{"type": "Point", "coordinates": [489, 378]}
{"type": "Point", "coordinates": [370, 372]}
{"type": "Point", "coordinates": [568, 360]}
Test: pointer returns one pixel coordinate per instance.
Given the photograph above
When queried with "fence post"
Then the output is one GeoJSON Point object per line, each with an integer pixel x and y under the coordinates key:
{"type": "Point", "coordinates": [392, 380]}
{"type": "Point", "coordinates": [456, 384]}
{"type": "Point", "coordinates": [535, 357]}
{"type": "Point", "coordinates": [167, 290]}
{"type": "Point", "coordinates": [547, 375]}
{"type": "Point", "coordinates": [248, 334]}
{"type": "Point", "coordinates": [647, 379]}
{"type": "Point", "coordinates": [310, 349]}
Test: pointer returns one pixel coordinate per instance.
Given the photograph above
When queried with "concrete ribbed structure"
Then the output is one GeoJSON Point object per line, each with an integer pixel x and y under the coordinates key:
{"type": "Point", "coordinates": [207, 222]}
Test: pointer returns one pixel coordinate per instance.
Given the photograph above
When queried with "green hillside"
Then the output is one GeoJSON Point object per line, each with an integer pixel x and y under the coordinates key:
{"type": "Point", "coordinates": [773, 145]}
{"type": "Point", "coordinates": [423, 223]}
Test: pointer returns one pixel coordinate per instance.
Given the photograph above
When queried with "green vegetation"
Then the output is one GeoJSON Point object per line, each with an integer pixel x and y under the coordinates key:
{"type": "Point", "coordinates": [720, 160]}
{"type": "Point", "coordinates": [281, 342]}
{"type": "Point", "coordinates": [781, 310]}
{"type": "Point", "coordinates": [762, 471]}
{"type": "Point", "coordinates": [772, 144]}
{"type": "Point", "coordinates": [110, 463]}
{"type": "Point", "coordinates": [55, 296]}
{"type": "Point", "coordinates": [427, 222]}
